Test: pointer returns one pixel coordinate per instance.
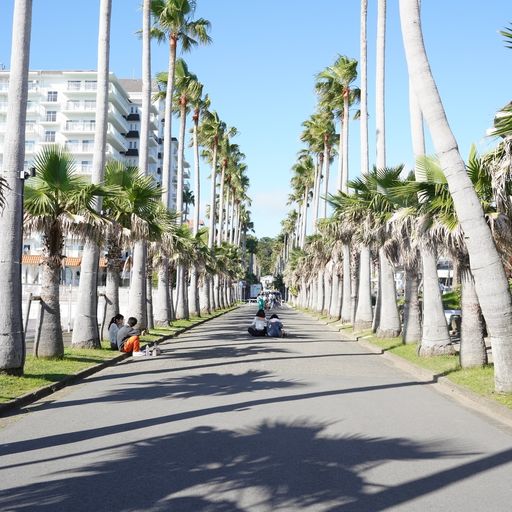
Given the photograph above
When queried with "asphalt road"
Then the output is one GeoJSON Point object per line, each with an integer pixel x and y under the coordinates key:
{"type": "Point", "coordinates": [222, 422]}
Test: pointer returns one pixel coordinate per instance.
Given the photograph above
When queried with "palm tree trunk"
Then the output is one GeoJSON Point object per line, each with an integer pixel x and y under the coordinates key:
{"type": "Point", "coordinates": [204, 299]}
{"type": "Point", "coordinates": [320, 295]}
{"type": "Point", "coordinates": [327, 168]}
{"type": "Point", "coordinates": [221, 204]}
{"type": "Point", "coordinates": [339, 181]}
{"type": "Point", "coordinates": [354, 276]}
{"type": "Point", "coordinates": [363, 103]}
{"type": "Point", "coordinates": [12, 339]}
{"type": "Point", "coordinates": [473, 352]}
{"type": "Point", "coordinates": [435, 339]}
{"type": "Point", "coordinates": [162, 310]}
{"type": "Point", "coordinates": [112, 290]}
{"type": "Point", "coordinates": [346, 304]}
{"type": "Point", "coordinates": [213, 193]}
{"type": "Point", "coordinates": [344, 154]}
{"type": "Point", "coordinates": [389, 323]}
{"type": "Point", "coordinates": [490, 279]}
{"type": "Point", "coordinates": [197, 178]}
{"type": "Point", "coordinates": [193, 293]}
{"type": "Point", "coordinates": [364, 310]}
{"type": "Point", "coordinates": [380, 118]}
{"type": "Point", "coordinates": [85, 328]}
{"type": "Point", "coordinates": [334, 310]}
{"type": "Point", "coordinates": [49, 341]}
{"type": "Point", "coordinates": [412, 313]}
{"type": "Point", "coordinates": [149, 295]}
{"type": "Point", "coordinates": [137, 299]}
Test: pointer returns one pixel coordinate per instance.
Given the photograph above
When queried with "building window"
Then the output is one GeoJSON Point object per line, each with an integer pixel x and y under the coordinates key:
{"type": "Point", "coordinates": [133, 145]}
{"type": "Point", "coordinates": [30, 126]}
{"type": "Point", "coordinates": [74, 85]}
{"type": "Point", "coordinates": [86, 166]}
{"type": "Point", "coordinates": [133, 110]}
{"type": "Point", "coordinates": [52, 96]}
{"type": "Point", "coordinates": [87, 145]}
{"type": "Point", "coordinates": [32, 85]}
{"type": "Point", "coordinates": [90, 85]}
{"type": "Point", "coordinates": [72, 125]}
{"type": "Point", "coordinates": [4, 84]}
{"type": "Point", "coordinates": [90, 105]}
{"type": "Point", "coordinates": [51, 116]}
{"type": "Point", "coordinates": [30, 146]}
{"type": "Point", "coordinates": [49, 136]}
{"type": "Point", "coordinates": [72, 145]}
{"type": "Point", "coordinates": [89, 125]}
{"type": "Point", "coordinates": [73, 105]}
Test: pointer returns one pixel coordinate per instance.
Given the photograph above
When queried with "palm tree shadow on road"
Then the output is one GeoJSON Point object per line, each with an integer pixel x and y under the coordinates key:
{"type": "Point", "coordinates": [293, 465]}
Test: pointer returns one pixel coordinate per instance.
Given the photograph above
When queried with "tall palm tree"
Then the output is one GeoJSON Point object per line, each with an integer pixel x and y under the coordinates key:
{"type": "Point", "coordinates": [136, 213]}
{"type": "Point", "coordinates": [85, 327]}
{"type": "Point", "coordinates": [57, 203]}
{"type": "Point", "coordinates": [364, 312]}
{"type": "Point", "coordinates": [172, 21]}
{"type": "Point", "coordinates": [490, 279]}
{"type": "Point", "coordinates": [12, 341]}
{"type": "Point", "coordinates": [142, 265]}
{"type": "Point", "coordinates": [334, 85]}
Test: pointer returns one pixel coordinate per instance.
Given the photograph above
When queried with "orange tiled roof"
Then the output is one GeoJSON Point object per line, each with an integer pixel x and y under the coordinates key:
{"type": "Point", "coordinates": [68, 261]}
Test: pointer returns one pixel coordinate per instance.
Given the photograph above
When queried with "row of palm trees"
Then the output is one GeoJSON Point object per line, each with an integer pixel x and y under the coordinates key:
{"type": "Point", "coordinates": [382, 220]}
{"type": "Point", "coordinates": [122, 207]}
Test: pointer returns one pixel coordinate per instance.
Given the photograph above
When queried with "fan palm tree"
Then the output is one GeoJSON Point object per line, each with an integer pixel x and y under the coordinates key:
{"type": "Point", "coordinates": [490, 279]}
{"type": "Point", "coordinates": [136, 213]}
{"type": "Point", "coordinates": [57, 203]}
{"type": "Point", "coordinates": [85, 327]}
{"type": "Point", "coordinates": [12, 341]}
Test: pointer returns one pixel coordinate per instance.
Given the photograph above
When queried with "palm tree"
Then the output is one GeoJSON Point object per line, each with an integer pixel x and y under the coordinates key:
{"type": "Point", "coordinates": [172, 21]}
{"type": "Point", "coordinates": [57, 203]}
{"type": "Point", "coordinates": [490, 279]}
{"type": "Point", "coordinates": [334, 86]}
{"type": "Point", "coordinates": [142, 266]}
{"type": "Point", "coordinates": [85, 327]}
{"type": "Point", "coordinates": [136, 214]}
{"type": "Point", "coordinates": [12, 341]}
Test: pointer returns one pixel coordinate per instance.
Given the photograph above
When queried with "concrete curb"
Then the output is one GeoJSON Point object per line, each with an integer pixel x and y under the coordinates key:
{"type": "Point", "coordinates": [34, 396]}
{"type": "Point", "coordinates": [440, 383]}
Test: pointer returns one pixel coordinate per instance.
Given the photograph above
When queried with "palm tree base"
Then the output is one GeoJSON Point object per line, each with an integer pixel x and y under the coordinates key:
{"type": "Point", "coordinates": [388, 333]}
{"type": "Point", "coordinates": [436, 350]}
{"type": "Point", "coordinates": [362, 325]}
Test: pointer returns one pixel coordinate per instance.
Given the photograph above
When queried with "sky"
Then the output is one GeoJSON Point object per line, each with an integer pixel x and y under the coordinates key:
{"type": "Point", "coordinates": [260, 71]}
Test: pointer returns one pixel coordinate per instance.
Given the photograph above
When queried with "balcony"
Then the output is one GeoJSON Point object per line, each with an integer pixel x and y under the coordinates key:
{"type": "Point", "coordinates": [117, 119]}
{"type": "Point", "coordinates": [89, 86]}
{"type": "Point", "coordinates": [79, 107]}
{"type": "Point", "coordinates": [79, 127]}
{"type": "Point", "coordinates": [118, 99]}
{"type": "Point", "coordinates": [115, 139]}
{"type": "Point", "coordinates": [152, 155]}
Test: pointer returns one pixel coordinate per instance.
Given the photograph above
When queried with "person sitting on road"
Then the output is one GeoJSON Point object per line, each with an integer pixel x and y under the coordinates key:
{"type": "Point", "coordinates": [275, 327]}
{"type": "Point", "coordinates": [128, 338]}
{"type": "Point", "coordinates": [113, 328]}
{"type": "Point", "coordinates": [259, 324]}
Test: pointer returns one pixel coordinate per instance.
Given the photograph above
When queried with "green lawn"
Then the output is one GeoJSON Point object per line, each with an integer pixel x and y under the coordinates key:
{"type": "Point", "coordinates": [478, 380]}
{"type": "Point", "coordinates": [42, 372]}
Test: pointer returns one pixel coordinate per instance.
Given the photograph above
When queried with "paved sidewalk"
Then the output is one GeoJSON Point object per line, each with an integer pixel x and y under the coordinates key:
{"type": "Point", "coordinates": [222, 422]}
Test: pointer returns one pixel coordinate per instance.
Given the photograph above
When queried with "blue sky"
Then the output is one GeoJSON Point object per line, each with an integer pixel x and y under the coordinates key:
{"type": "Point", "coordinates": [260, 69]}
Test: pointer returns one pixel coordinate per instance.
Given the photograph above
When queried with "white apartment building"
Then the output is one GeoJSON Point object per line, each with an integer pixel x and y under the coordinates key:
{"type": "Point", "coordinates": [61, 110]}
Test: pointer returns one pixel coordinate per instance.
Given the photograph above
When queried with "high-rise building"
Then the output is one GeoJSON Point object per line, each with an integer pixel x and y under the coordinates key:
{"type": "Point", "coordinates": [61, 110]}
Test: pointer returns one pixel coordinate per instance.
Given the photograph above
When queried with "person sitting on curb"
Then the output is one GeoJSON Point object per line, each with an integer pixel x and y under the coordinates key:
{"type": "Point", "coordinates": [113, 329]}
{"type": "Point", "coordinates": [128, 338]}
{"type": "Point", "coordinates": [275, 327]}
{"type": "Point", "coordinates": [259, 324]}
